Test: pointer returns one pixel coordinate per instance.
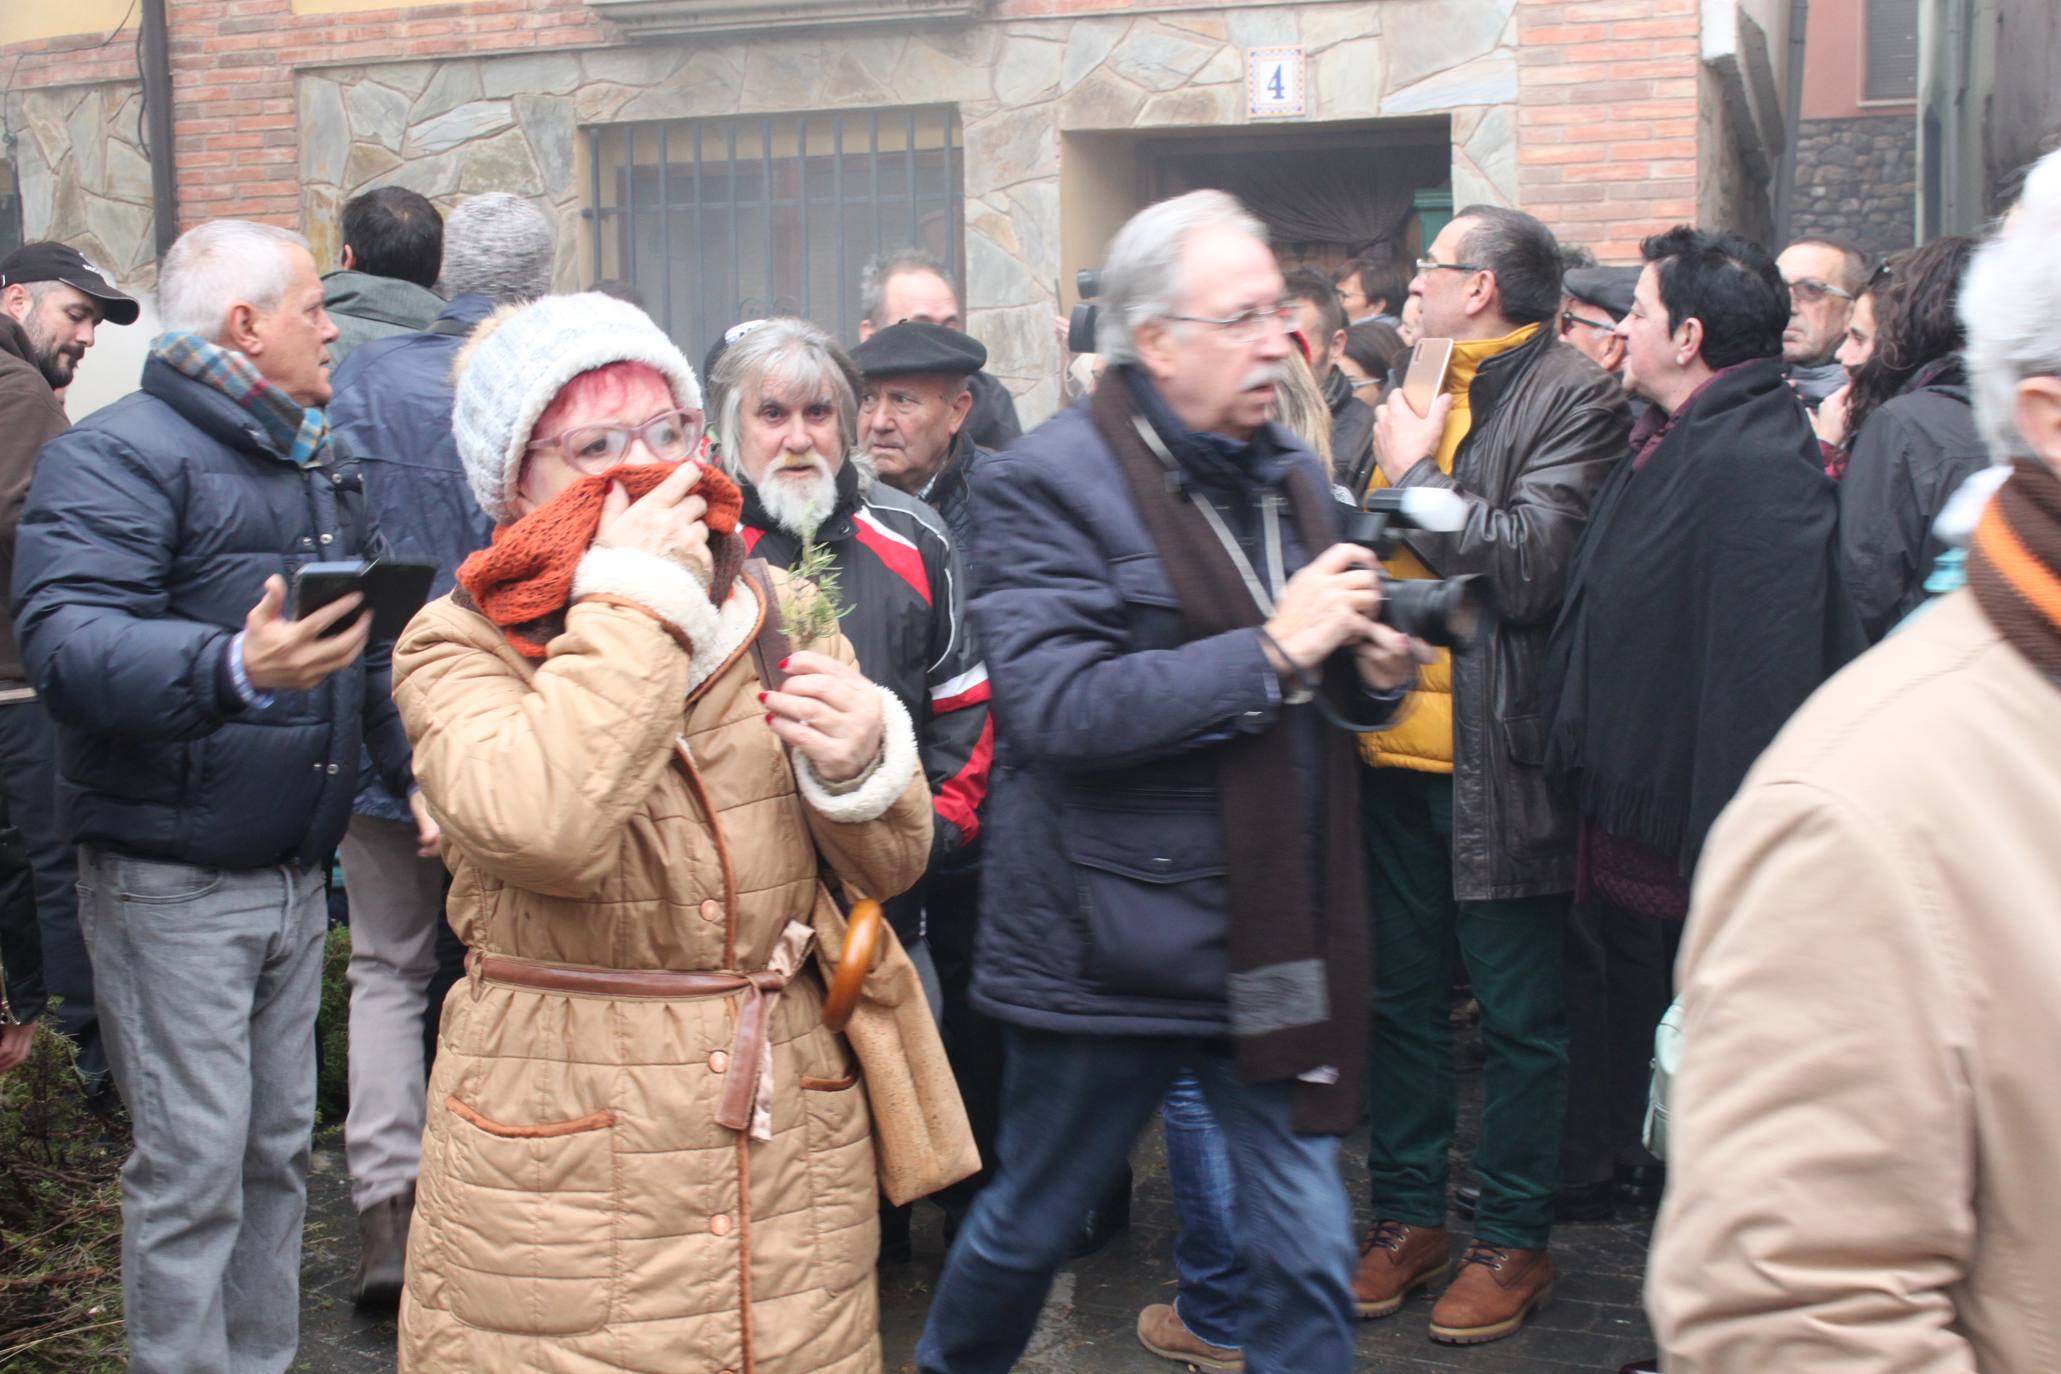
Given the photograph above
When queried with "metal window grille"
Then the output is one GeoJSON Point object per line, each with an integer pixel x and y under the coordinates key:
{"type": "Point", "coordinates": [1892, 50]}
{"type": "Point", "coordinates": [708, 222]}
{"type": "Point", "coordinates": [10, 209]}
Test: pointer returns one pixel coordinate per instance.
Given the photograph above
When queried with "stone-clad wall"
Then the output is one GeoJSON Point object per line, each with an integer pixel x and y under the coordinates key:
{"type": "Point", "coordinates": [457, 127]}
{"type": "Point", "coordinates": [84, 178]}
{"type": "Point", "coordinates": [1856, 179]}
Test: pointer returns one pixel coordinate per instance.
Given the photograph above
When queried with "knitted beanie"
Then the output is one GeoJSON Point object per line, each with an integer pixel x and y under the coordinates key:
{"type": "Point", "coordinates": [499, 246]}
{"type": "Point", "coordinates": [518, 361]}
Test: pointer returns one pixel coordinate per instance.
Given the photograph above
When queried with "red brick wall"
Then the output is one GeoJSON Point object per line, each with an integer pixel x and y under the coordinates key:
{"type": "Point", "coordinates": [1606, 118]}
{"type": "Point", "coordinates": [233, 89]}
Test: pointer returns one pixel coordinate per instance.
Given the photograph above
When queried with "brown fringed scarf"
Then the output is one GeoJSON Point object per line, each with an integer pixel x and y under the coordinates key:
{"type": "Point", "coordinates": [1299, 947]}
{"type": "Point", "coordinates": [523, 580]}
{"type": "Point", "coordinates": [2014, 563]}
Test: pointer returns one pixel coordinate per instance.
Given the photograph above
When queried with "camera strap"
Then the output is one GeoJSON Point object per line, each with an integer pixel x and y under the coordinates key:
{"type": "Point", "coordinates": [1270, 524]}
{"type": "Point", "coordinates": [1270, 514]}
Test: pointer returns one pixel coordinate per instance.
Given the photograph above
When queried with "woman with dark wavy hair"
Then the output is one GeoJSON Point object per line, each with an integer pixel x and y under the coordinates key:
{"type": "Point", "coordinates": [1913, 435]}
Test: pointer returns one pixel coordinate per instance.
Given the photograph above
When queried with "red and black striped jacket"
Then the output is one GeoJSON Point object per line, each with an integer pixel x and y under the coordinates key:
{"type": "Point", "coordinates": [904, 593]}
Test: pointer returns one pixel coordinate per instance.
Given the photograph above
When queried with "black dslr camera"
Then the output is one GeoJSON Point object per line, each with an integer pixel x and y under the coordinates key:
{"type": "Point", "coordinates": [1080, 325]}
{"type": "Point", "coordinates": [1451, 612]}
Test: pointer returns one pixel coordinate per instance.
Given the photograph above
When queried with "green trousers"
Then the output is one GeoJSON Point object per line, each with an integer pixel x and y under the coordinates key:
{"type": "Point", "coordinates": [1512, 952]}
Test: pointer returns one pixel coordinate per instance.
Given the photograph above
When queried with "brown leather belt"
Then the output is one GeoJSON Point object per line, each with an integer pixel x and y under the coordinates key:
{"type": "Point", "coordinates": [746, 1104]}
{"type": "Point", "coordinates": [610, 982]}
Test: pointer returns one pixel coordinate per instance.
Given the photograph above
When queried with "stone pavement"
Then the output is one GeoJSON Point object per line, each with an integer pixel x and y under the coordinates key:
{"type": "Point", "coordinates": [1594, 1324]}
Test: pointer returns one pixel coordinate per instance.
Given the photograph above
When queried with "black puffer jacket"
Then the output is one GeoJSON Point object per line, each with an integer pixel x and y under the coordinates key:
{"type": "Point", "coordinates": [992, 422]}
{"type": "Point", "coordinates": [1910, 456]}
{"type": "Point", "coordinates": [149, 532]}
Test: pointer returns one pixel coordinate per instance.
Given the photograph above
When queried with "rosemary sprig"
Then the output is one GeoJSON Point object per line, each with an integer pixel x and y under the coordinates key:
{"type": "Point", "coordinates": [814, 604]}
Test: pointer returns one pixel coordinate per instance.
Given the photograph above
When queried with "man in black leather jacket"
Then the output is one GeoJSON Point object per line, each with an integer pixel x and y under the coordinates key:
{"type": "Point", "coordinates": [1467, 847]}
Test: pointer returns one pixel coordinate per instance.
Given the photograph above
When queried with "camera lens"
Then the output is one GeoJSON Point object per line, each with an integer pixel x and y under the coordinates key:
{"type": "Point", "coordinates": [1450, 613]}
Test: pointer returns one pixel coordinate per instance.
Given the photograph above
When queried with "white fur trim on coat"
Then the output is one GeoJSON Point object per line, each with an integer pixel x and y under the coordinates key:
{"type": "Point", "coordinates": [660, 585]}
{"type": "Point", "coordinates": [889, 779]}
{"type": "Point", "coordinates": [734, 624]}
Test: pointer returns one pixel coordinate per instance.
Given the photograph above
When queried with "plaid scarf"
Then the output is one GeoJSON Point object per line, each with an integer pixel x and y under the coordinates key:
{"type": "Point", "coordinates": [2013, 562]}
{"type": "Point", "coordinates": [301, 433]}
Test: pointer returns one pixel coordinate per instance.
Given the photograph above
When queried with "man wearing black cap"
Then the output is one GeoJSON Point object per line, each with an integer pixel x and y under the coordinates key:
{"type": "Point", "coordinates": [1592, 301]}
{"type": "Point", "coordinates": [913, 413]}
{"type": "Point", "coordinates": [51, 301]}
{"type": "Point", "coordinates": [912, 417]}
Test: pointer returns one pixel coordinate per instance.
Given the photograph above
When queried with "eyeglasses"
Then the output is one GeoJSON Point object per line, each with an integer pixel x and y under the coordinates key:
{"type": "Point", "coordinates": [1428, 265]}
{"type": "Point", "coordinates": [1249, 326]}
{"type": "Point", "coordinates": [670, 435]}
{"type": "Point", "coordinates": [904, 403]}
{"type": "Point", "coordinates": [1810, 290]}
{"type": "Point", "coordinates": [1568, 322]}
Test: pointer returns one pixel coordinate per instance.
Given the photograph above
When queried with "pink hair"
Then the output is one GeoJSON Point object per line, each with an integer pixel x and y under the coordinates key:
{"type": "Point", "coordinates": [603, 387]}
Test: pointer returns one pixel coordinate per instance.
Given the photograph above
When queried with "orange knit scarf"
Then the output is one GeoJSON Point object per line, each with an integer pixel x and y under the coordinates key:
{"type": "Point", "coordinates": [523, 581]}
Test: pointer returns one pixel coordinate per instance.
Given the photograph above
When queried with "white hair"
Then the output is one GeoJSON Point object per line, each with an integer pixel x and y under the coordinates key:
{"type": "Point", "coordinates": [789, 358]}
{"type": "Point", "coordinates": [2009, 302]}
{"type": "Point", "coordinates": [222, 263]}
{"type": "Point", "coordinates": [1141, 279]}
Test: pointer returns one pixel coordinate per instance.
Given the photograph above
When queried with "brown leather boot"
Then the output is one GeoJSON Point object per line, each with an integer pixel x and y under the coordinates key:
{"type": "Point", "coordinates": [382, 1250]}
{"type": "Point", "coordinates": [1496, 1289]}
{"type": "Point", "coordinates": [1161, 1330]}
{"type": "Point", "coordinates": [1395, 1260]}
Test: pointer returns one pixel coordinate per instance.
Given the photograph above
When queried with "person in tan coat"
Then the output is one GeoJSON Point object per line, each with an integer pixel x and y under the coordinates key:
{"type": "Point", "coordinates": [1865, 1127]}
{"type": "Point", "coordinates": [644, 1151]}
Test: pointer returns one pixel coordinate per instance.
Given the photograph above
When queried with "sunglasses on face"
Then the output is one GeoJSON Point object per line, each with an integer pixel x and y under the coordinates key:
{"type": "Point", "coordinates": [1568, 322]}
{"type": "Point", "coordinates": [1810, 290]}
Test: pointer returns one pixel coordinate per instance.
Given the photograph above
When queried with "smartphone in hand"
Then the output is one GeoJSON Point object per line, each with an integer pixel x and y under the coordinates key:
{"type": "Point", "coordinates": [394, 591]}
{"type": "Point", "coordinates": [1426, 373]}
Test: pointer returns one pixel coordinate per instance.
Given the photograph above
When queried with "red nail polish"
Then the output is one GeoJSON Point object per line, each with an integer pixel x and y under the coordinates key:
{"type": "Point", "coordinates": [769, 717]}
{"type": "Point", "coordinates": [762, 698]}
{"type": "Point", "coordinates": [782, 664]}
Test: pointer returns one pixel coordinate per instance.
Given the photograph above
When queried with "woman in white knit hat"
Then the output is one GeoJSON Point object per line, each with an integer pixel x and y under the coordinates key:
{"type": "Point", "coordinates": [644, 1151]}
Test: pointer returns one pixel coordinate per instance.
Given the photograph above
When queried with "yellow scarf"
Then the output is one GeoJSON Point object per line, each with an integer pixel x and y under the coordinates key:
{"type": "Point", "coordinates": [1423, 739]}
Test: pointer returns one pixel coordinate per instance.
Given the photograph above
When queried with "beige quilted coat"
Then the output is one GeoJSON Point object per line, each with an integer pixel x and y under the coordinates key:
{"type": "Point", "coordinates": [579, 1207]}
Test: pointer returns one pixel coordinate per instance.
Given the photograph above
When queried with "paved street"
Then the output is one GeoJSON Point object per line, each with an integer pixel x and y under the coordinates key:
{"type": "Point", "coordinates": [1595, 1323]}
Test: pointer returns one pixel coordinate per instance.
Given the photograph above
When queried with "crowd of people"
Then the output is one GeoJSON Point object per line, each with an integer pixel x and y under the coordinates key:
{"type": "Point", "coordinates": [805, 793]}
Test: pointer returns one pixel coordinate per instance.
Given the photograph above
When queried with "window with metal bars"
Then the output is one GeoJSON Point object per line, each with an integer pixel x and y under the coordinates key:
{"type": "Point", "coordinates": [10, 209]}
{"type": "Point", "coordinates": [707, 222]}
{"type": "Point", "coordinates": [1892, 50]}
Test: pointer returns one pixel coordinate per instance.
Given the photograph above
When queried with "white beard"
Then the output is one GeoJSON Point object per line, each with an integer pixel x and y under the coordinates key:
{"type": "Point", "coordinates": [795, 505]}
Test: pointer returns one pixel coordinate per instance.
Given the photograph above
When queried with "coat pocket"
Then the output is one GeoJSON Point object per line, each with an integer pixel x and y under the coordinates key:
{"type": "Point", "coordinates": [527, 1214]}
{"type": "Point", "coordinates": [1524, 739]}
{"type": "Point", "coordinates": [844, 1194]}
{"type": "Point", "coordinates": [1153, 892]}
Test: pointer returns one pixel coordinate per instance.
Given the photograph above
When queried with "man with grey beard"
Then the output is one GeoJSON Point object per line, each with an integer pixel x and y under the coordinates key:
{"type": "Point", "coordinates": [785, 405]}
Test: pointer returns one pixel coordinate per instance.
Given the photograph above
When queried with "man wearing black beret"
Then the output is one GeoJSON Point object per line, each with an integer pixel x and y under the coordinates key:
{"type": "Point", "coordinates": [913, 411]}
{"type": "Point", "coordinates": [912, 417]}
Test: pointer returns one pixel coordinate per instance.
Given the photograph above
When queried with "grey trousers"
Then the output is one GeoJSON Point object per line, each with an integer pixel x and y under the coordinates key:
{"type": "Point", "coordinates": [208, 983]}
{"type": "Point", "coordinates": [397, 902]}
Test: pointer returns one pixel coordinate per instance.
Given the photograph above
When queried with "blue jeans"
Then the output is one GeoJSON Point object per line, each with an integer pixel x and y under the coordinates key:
{"type": "Point", "coordinates": [1198, 1170]}
{"type": "Point", "coordinates": [1072, 1105]}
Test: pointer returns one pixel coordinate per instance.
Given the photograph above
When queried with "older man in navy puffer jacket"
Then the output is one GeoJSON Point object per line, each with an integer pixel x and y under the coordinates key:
{"type": "Point", "coordinates": [209, 752]}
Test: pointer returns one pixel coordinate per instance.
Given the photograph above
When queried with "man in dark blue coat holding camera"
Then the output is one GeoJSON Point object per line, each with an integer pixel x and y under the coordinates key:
{"type": "Point", "coordinates": [1174, 861]}
{"type": "Point", "coordinates": [209, 752]}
